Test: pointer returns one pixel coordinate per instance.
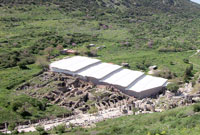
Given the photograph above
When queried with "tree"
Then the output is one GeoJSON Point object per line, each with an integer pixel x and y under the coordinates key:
{"type": "Point", "coordinates": [42, 62]}
{"type": "Point", "coordinates": [48, 51]}
{"type": "Point", "coordinates": [188, 73]}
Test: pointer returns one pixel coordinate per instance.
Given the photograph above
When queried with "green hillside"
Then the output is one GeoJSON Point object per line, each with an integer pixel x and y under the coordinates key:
{"type": "Point", "coordinates": [174, 122]}
{"type": "Point", "coordinates": [140, 32]}
{"type": "Point", "coordinates": [179, 121]}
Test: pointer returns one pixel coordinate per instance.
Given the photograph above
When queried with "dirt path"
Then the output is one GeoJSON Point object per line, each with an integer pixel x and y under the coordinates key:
{"type": "Point", "coordinates": [197, 52]}
{"type": "Point", "coordinates": [84, 120]}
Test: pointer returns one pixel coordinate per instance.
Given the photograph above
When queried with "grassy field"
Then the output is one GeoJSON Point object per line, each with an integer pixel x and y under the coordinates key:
{"type": "Point", "coordinates": [163, 60]}
{"type": "Point", "coordinates": [11, 77]}
{"type": "Point", "coordinates": [173, 122]}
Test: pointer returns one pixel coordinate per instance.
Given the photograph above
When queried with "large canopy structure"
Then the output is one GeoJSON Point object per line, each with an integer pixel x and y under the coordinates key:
{"type": "Point", "coordinates": [73, 65]}
{"type": "Point", "coordinates": [99, 71]}
{"type": "Point", "coordinates": [133, 83]}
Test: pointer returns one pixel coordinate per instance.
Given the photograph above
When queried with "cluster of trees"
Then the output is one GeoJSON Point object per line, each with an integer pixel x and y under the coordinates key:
{"type": "Point", "coordinates": [15, 58]}
{"type": "Point", "coordinates": [24, 106]}
{"type": "Point", "coordinates": [49, 45]}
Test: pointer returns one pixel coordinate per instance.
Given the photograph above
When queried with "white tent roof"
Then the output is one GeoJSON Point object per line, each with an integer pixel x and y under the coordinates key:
{"type": "Point", "coordinates": [123, 77]}
{"type": "Point", "coordinates": [109, 73]}
{"type": "Point", "coordinates": [147, 82]}
{"type": "Point", "coordinates": [74, 64]}
{"type": "Point", "coordinates": [100, 70]}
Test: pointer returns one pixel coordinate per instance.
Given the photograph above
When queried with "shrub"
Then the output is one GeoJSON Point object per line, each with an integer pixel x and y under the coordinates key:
{"type": "Point", "coordinates": [135, 110]}
{"type": "Point", "coordinates": [59, 47]}
{"type": "Point", "coordinates": [140, 66]}
{"type": "Point", "coordinates": [116, 130]}
{"type": "Point", "coordinates": [93, 109]}
{"type": "Point", "coordinates": [41, 130]}
{"type": "Point", "coordinates": [186, 61]}
{"type": "Point", "coordinates": [196, 108]}
{"type": "Point", "coordinates": [92, 53]}
{"type": "Point", "coordinates": [181, 115]}
{"type": "Point", "coordinates": [15, 132]}
{"type": "Point", "coordinates": [11, 126]}
{"type": "Point", "coordinates": [71, 125]}
{"type": "Point", "coordinates": [23, 112]}
{"type": "Point", "coordinates": [144, 64]}
{"type": "Point", "coordinates": [15, 105]}
{"type": "Point", "coordinates": [60, 129]}
{"type": "Point", "coordinates": [173, 87]}
{"type": "Point", "coordinates": [42, 62]}
{"type": "Point", "coordinates": [172, 63]}
{"type": "Point", "coordinates": [22, 65]}
{"type": "Point", "coordinates": [166, 73]}
{"type": "Point", "coordinates": [169, 49]}
{"type": "Point", "coordinates": [156, 132]}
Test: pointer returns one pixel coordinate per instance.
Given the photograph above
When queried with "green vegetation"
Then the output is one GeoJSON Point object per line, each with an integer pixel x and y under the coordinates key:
{"type": "Point", "coordinates": [196, 108]}
{"type": "Point", "coordinates": [173, 122]}
{"type": "Point", "coordinates": [21, 108]}
{"type": "Point", "coordinates": [173, 87]}
{"type": "Point", "coordinates": [10, 77]}
{"type": "Point", "coordinates": [141, 32]}
{"type": "Point", "coordinates": [41, 130]}
{"type": "Point", "coordinates": [60, 129]}
{"type": "Point", "coordinates": [188, 73]}
{"type": "Point", "coordinates": [177, 121]}
{"type": "Point", "coordinates": [92, 110]}
{"type": "Point", "coordinates": [11, 126]}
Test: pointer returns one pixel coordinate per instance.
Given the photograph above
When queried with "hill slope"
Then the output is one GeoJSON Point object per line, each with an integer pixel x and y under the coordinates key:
{"type": "Point", "coordinates": [96, 7]}
{"type": "Point", "coordinates": [161, 23]}
{"type": "Point", "coordinates": [173, 122]}
{"type": "Point", "coordinates": [140, 32]}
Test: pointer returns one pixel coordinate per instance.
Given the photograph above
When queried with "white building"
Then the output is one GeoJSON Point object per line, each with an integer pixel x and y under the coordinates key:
{"type": "Point", "coordinates": [133, 83]}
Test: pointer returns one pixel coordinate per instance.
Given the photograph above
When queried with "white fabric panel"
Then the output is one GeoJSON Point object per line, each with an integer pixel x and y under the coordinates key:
{"type": "Point", "coordinates": [123, 77]}
{"type": "Point", "coordinates": [100, 70]}
{"type": "Point", "coordinates": [147, 82]}
{"type": "Point", "coordinates": [64, 63]}
{"type": "Point", "coordinates": [74, 64]}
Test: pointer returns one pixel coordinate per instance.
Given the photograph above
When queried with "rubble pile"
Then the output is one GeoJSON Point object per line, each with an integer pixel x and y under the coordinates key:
{"type": "Point", "coordinates": [73, 93]}
{"type": "Point", "coordinates": [80, 96]}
